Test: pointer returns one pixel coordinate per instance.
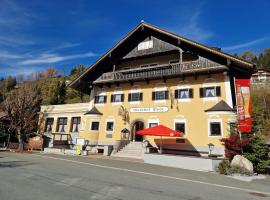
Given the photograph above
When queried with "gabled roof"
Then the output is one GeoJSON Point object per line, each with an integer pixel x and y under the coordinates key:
{"type": "Point", "coordinates": [93, 111]}
{"type": "Point", "coordinates": [75, 83]}
{"type": "Point", "coordinates": [220, 106]}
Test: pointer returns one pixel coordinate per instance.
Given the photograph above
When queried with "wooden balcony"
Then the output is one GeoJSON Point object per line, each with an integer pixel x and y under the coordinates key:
{"type": "Point", "coordinates": [159, 71]}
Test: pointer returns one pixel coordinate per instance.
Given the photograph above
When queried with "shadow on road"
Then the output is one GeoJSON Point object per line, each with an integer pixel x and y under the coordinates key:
{"type": "Point", "coordinates": [13, 164]}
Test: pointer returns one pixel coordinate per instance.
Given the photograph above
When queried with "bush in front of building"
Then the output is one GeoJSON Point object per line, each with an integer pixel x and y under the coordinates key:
{"type": "Point", "coordinates": [257, 152]}
{"type": "Point", "coordinates": [224, 167]}
{"type": "Point", "coordinates": [234, 145]}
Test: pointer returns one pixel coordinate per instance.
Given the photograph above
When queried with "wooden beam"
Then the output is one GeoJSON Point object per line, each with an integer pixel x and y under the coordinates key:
{"type": "Point", "coordinates": [147, 80]}
{"type": "Point", "coordinates": [178, 42]}
{"type": "Point", "coordinates": [229, 62]}
{"type": "Point", "coordinates": [164, 79]}
{"type": "Point", "coordinates": [109, 85]}
{"type": "Point", "coordinates": [131, 82]}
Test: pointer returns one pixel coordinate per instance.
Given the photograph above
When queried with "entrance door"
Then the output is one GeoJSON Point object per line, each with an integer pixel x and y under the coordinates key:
{"type": "Point", "coordinates": [137, 126]}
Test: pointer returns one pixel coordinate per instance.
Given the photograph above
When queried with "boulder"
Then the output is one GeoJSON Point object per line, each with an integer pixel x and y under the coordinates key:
{"type": "Point", "coordinates": [243, 163]}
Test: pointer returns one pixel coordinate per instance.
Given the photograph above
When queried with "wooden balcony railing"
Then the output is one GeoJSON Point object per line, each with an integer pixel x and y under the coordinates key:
{"type": "Point", "coordinates": [157, 71]}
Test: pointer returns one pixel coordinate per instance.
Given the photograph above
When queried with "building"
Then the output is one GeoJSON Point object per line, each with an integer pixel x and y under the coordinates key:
{"type": "Point", "coordinates": [153, 77]}
{"type": "Point", "coordinates": [260, 77]}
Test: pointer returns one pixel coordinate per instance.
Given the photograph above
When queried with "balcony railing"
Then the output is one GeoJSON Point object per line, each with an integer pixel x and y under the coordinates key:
{"type": "Point", "coordinates": [158, 71]}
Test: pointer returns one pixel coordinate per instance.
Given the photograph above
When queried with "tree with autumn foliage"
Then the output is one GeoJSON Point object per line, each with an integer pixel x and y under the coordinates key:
{"type": "Point", "coordinates": [234, 145]}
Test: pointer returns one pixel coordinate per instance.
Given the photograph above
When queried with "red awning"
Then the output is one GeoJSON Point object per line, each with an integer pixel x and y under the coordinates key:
{"type": "Point", "coordinates": [160, 130]}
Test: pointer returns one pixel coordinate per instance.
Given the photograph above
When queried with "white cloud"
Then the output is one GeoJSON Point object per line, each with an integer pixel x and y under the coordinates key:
{"type": "Point", "coordinates": [245, 44]}
{"type": "Point", "coordinates": [8, 55]}
{"type": "Point", "coordinates": [54, 58]}
{"type": "Point", "coordinates": [189, 25]}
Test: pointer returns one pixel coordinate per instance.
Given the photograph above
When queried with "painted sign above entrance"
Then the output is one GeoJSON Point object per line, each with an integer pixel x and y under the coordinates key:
{"type": "Point", "coordinates": [149, 110]}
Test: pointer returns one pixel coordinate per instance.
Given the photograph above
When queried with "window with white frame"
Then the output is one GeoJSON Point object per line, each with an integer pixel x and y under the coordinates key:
{"type": "Point", "coordinates": [62, 124]}
{"type": "Point", "coordinates": [153, 123]}
{"type": "Point", "coordinates": [211, 91]}
{"type": "Point", "coordinates": [145, 45]}
{"type": "Point", "coordinates": [49, 125]}
{"type": "Point", "coordinates": [160, 95]}
{"type": "Point", "coordinates": [109, 125]}
{"type": "Point", "coordinates": [135, 96]}
{"type": "Point", "coordinates": [174, 61]}
{"type": "Point", "coordinates": [100, 99]}
{"type": "Point", "coordinates": [215, 128]}
{"type": "Point", "coordinates": [75, 124]}
{"type": "Point", "coordinates": [117, 98]}
{"type": "Point", "coordinates": [94, 126]}
{"type": "Point", "coordinates": [180, 126]}
{"type": "Point", "coordinates": [185, 93]}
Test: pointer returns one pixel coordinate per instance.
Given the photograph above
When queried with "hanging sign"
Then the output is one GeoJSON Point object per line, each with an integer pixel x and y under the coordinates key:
{"type": "Point", "coordinates": [243, 101]}
{"type": "Point", "coordinates": [149, 110]}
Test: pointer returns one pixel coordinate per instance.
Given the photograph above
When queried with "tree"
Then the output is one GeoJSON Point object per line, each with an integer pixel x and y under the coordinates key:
{"type": "Point", "coordinates": [22, 106]}
{"type": "Point", "coordinates": [57, 92]}
{"type": "Point", "coordinates": [234, 145]}
{"type": "Point", "coordinates": [10, 83]}
{"type": "Point", "coordinates": [77, 70]}
{"type": "Point", "coordinates": [250, 56]}
{"type": "Point", "coordinates": [257, 152]}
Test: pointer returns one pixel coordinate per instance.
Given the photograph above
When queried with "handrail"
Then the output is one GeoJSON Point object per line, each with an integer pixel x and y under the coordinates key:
{"type": "Point", "coordinates": [157, 71]}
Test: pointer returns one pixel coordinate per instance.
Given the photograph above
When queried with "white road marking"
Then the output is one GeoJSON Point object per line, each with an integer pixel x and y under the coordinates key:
{"type": "Point", "coordinates": [156, 175]}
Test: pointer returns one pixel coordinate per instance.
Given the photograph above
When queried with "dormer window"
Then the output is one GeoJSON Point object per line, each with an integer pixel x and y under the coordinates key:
{"type": "Point", "coordinates": [145, 45]}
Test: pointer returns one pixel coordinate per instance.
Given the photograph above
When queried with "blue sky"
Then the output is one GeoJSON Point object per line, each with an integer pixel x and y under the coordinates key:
{"type": "Point", "coordinates": [38, 34]}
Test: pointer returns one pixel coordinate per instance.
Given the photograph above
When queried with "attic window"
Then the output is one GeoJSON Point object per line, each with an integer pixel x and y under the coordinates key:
{"type": "Point", "coordinates": [145, 45]}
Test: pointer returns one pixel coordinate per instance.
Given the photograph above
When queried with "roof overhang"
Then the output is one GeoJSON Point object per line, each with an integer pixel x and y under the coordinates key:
{"type": "Point", "coordinates": [84, 81]}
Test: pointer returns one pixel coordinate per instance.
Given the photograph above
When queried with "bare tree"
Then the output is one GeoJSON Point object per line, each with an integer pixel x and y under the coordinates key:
{"type": "Point", "coordinates": [22, 106]}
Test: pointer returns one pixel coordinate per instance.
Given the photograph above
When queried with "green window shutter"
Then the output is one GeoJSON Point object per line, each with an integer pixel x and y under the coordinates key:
{"type": "Point", "coordinates": [190, 93]}
{"type": "Point", "coordinates": [166, 95]}
{"type": "Point", "coordinates": [141, 96]}
{"type": "Point", "coordinates": [218, 92]}
{"type": "Point", "coordinates": [201, 92]}
{"type": "Point", "coordinates": [153, 96]}
{"type": "Point", "coordinates": [176, 92]}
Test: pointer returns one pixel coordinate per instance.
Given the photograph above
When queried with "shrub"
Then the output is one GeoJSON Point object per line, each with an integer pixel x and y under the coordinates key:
{"type": "Point", "coordinates": [224, 167]}
{"type": "Point", "coordinates": [257, 152]}
{"type": "Point", "coordinates": [240, 170]}
{"type": "Point", "coordinates": [233, 145]}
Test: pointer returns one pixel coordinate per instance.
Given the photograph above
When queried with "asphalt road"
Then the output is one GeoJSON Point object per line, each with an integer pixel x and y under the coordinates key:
{"type": "Point", "coordinates": [51, 177]}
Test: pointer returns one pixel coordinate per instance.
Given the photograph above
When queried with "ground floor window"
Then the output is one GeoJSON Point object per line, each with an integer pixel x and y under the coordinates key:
{"type": "Point", "coordinates": [94, 126]}
{"type": "Point", "coordinates": [215, 128]}
{"type": "Point", "coordinates": [152, 124]}
{"type": "Point", "coordinates": [180, 126]}
{"type": "Point", "coordinates": [109, 126]}
{"type": "Point", "coordinates": [49, 125]}
{"type": "Point", "coordinates": [62, 124]}
{"type": "Point", "coordinates": [75, 123]}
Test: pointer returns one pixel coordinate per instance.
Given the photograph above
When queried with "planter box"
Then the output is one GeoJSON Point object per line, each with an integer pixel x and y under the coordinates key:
{"type": "Point", "coordinates": [184, 162]}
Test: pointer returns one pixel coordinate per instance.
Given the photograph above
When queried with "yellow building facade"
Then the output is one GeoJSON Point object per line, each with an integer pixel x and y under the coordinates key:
{"type": "Point", "coordinates": [161, 78]}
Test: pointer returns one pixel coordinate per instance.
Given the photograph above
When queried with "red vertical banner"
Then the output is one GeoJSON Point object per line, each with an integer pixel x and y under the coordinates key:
{"type": "Point", "coordinates": [243, 102]}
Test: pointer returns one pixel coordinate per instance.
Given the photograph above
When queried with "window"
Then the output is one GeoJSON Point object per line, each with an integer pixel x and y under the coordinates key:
{"type": "Point", "coordinates": [152, 124]}
{"type": "Point", "coordinates": [75, 123]}
{"type": "Point", "coordinates": [174, 61]}
{"type": "Point", "coordinates": [160, 95]}
{"type": "Point", "coordinates": [48, 125]}
{"type": "Point", "coordinates": [62, 124]}
{"type": "Point", "coordinates": [109, 126]}
{"type": "Point", "coordinates": [183, 93]}
{"type": "Point", "coordinates": [213, 91]}
{"type": "Point", "coordinates": [149, 65]}
{"type": "Point", "coordinates": [180, 126]}
{"type": "Point", "coordinates": [145, 45]}
{"type": "Point", "coordinates": [136, 96]}
{"type": "Point", "coordinates": [100, 99]}
{"type": "Point", "coordinates": [94, 126]}
{"type": "Point", "coordinates": [215, 129]}
{"type": "Point", "coordinates": [115, 98]}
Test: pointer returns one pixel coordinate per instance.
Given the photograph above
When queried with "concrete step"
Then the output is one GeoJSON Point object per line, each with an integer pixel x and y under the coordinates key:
{"type": "Point", "coordinates": [132, 150]}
